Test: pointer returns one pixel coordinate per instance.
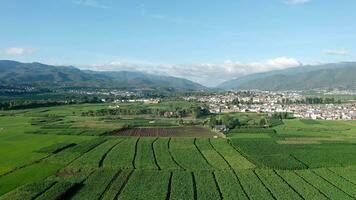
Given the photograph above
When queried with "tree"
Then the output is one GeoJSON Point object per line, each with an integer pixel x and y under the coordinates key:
{"type": "Point", "coordinates": [229, 121]}
{"type": "Point", "coordinates": [212, 121]}
{"type": "Point", "coordinates": [263, 122]}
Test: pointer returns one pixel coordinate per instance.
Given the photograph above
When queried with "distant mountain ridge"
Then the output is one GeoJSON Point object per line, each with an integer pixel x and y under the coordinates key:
{"type": "Point", "coordinates": [326, 76]}
{"type": "Point", "coordinates": [42, 75]}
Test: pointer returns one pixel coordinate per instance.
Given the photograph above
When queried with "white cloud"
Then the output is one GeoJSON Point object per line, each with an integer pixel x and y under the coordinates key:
{"type": "Point", "coordinates": [337, 53]}
{"type": "Point", "coordinates": [90, 3]}
{"type": "Point", "coordinates": [294, 2]}
{"type": "Point", "coordinates": [204, 73]}
{"type": "Point", "coordinates": [17, 51]}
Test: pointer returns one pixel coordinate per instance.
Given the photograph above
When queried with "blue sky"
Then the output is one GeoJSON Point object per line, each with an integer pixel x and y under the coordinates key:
{"type": "Point", "coordinates": [205, 41]}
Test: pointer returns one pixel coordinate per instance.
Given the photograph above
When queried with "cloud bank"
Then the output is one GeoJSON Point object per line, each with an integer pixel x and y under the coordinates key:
{"type": "Point", "coordinates": [90, 3]}
{"type": "Point", "coordinates": [337, 52]}
{"type": "Point", "coordinates": [295, 2]}
{"type": "Point", "coordinates": [205, 73]}
{"type": "Point", "coordinates": [17, 51]}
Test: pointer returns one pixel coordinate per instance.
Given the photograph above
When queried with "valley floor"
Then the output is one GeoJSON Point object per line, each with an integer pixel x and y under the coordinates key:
{"type": "Point", "coordinates": [300, 159]}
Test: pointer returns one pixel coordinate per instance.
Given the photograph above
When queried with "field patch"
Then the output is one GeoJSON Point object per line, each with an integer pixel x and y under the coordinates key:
{"type": "Point", "coordinates": [167, 132]}
{"type": "Point", "coordinates": [309, 140]}
{"type": "Point", "coordinates": [249, 135]}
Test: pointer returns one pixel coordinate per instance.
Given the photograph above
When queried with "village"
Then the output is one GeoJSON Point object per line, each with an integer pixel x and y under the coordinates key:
{"type": "Point", "coordinates": [278, 102]}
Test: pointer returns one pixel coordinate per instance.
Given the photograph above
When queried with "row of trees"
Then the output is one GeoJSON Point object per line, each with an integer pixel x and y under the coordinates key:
{"type": "Point", "coordinates": [26, 104]}
{"type": "Point", "coordinates": [227, 120]}
{"type": "Point", "coordinates": [13, 105]}
{"type": "Point", "coordinates": [231, 121]}
{"type": "Point", "coordinates": [173, 112]}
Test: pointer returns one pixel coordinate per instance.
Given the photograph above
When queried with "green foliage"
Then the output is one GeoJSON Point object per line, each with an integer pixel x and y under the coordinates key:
{"type": "Point", "coordinates": [57, 191]}
{"type": "Point", "coordinates": [233, 157]}
{"type": "Point", "coordinates": [213, 157]}
{"type": "Point", "coordinates": [212, 121]}
{"type": "Point", "coordinates": [347, 174]}
{"type": "Point", "coordinates": [146, 185]}
{"type": "Point", "coordinates": [253, 186]}
{"type": "Point", "coordinates": [229, 185]}
{"type": "Point", "coordinates": [229, 121]}
{"type": "Point", "coordinates": [252, 130]}
{"type": "Point", "coordinates": [68, 155]}
{"type": "Point", "coordinates": [169, 109]}
{"type": "Point", "coordinates": [303, 188]}
{"type": "Point", "coordinates": [187, 155]}
{"type": "Point", "coordinates": [117, 185]}
{"type": "Point", "coordinates": [325, 187]}
{"type": "Point", "coordinates": [96, 168]}
{"type": "Point", "coordinates": [206, 186]}
{"type": "Point", "coordinates": [26, 175]}
{"type": "Point", "coordinates": [55, 148]}
{"type": "Point", "coordinates": [145, 158]}
{"type": "Point", "coordinates": [182, 186]}
{"type": "Point", "coordinates": [163, 156]}
{"type": "Point", "coordinates": [339, 182]}
{"type": "Point", "coordinates": [28, 191]}
{"type": "Point", "coordinates": [276, 185]}
{"type": "Point", "coordinates": [95, 185]}
{"type": "Point", "coordinates": [122, 155]}
{"type": "Point", "coordinates": [93, 157]}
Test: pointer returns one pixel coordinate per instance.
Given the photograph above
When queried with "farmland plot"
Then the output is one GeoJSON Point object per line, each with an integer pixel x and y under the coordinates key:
{"type": "Point", "coordinates": [253, 186]}
{"type": "Point", "coordinates": [95, 156]}
{"type": "Point", "coordinates": [213, 158]}
{"type": "Point", "coordinates": [206, 185]}
{"type": "Point", "coordinates": [122, 156]}
{"type": "Point", "coordinates": [338, 181]}
{"type": "Point", "coordinates": [305, 189]}
{"type": "Point", "coordinates": [145, 156]}
{"type": "Point", "coordinates": [182, 186]}
{"type": "Point", "coordinates": [233, 157]}
{"type": "Point", "coordinates": [162, 132]}
{"type": "Point", "coordinates": [32, 173]}
{"type": "Point", "coordinates": [146, 185]}
{"type": "Point", "coordinates": [67, 156]}
{"type": "Point", "coordinates": [28, 191]}
{"type": "Point", "coordinates": [58, 191]}
{"type": "Point", "coordinates": [322, 185]}
{"type": "Point", "coordinates": [279, 188]}
{"type": "Point", "coordinates": [116, 186]}
{"type": "Point", "coordinates": [163, 155]}
{"type": "Point", "coordinates": [187, 155]}
{"type": "Point", "coordinates": [95, 185]}
{"type": "Point", "coordinates": [229, 185]}
{"type": "Point", "coordinates": [193, 131]}
{"type": "Point", "coordinates": [347, 174]}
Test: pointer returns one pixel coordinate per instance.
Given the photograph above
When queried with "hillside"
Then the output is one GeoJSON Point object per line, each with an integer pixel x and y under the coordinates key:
{"type": "Point", "coordinates": [338, 75]}
{"type": "Point", "coordinates": [48, 76]}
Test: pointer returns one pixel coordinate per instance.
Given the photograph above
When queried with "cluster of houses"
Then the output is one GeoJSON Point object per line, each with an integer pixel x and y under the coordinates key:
{"type": "Point", "coordinates": [276, 102]}
{"type": "Point", "coordinates": [104, 92]}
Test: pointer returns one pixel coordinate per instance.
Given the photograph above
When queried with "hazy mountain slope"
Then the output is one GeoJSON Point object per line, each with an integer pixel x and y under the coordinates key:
{"type": "Point", "coordinates": [308, 77]}
{"type": "Point", "coordinates": [342, 78]}
{"type": "Point", "coordinates": [41, 75]}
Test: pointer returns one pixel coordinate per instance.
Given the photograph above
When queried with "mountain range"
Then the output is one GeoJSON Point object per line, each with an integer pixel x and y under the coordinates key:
{"type": "Point", "coordinates": [49, 76]}
{"type": "Point", "coordinates": [326, 76]}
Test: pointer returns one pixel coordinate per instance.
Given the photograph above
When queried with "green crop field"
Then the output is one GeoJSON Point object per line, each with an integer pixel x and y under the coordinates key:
{"type": "Point", "coordinates": [61, 153]}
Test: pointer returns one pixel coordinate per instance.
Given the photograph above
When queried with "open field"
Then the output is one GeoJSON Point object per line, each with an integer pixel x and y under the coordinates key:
{"type": "Point", "coordinates": [295, 160]}
{"type": "Point", "coordinates": [168, 132]}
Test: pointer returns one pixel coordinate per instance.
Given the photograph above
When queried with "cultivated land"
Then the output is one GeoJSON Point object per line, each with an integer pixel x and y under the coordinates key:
{"type": "Point", "coordinates": [61, 153]}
